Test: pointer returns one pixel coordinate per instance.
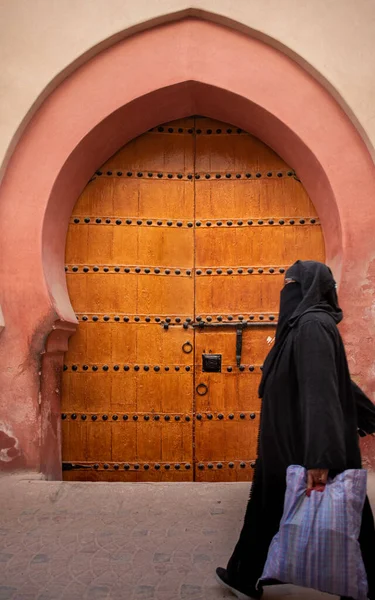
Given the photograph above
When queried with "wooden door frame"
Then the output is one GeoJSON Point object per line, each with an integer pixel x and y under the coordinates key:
{"type": "Point", "coordinates": [113, 98]}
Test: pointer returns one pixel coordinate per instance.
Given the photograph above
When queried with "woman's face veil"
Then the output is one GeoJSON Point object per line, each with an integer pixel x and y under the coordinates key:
{"type": "Point", "coordinates": [318, 289]}
{"type": "Point", "coordinates": [312, 288]}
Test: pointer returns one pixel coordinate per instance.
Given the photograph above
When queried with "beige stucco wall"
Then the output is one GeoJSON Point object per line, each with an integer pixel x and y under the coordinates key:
{"type": "Point", "coordinates": [39, 39]}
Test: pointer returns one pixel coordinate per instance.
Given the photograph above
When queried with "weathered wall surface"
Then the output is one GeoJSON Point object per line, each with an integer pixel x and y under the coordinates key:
{"type": "Point", "coordinates": [42, 38]}
{"type": "Point", "coordinates": [44, 41]}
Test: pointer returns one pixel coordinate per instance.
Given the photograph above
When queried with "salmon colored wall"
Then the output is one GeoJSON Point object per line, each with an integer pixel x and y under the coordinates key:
{"type": "Point", "coordinates": [169, 72]}
{"type": "Point", "coordinates": [44, 41]}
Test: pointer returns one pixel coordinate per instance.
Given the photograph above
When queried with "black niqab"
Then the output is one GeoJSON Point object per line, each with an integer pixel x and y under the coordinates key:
{"type": "Point", "coordinates": [315, 292]}
{"type": "Point", "coordinates": [318, 289]}
{"type": "Point", "coordinates": [290, 298]}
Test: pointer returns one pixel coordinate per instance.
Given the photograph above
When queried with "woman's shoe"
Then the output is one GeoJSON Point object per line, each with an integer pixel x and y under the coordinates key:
{"type": "Point", "coordinates": [222, 578]}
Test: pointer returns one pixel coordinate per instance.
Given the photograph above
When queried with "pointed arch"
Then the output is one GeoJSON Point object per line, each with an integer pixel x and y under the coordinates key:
{"type": "Point", "coordinates": [168, 72]}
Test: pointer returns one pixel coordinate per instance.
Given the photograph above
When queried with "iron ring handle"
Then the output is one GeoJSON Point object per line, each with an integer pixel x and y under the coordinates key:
{"type": "Point", "coordinates": [203, 387]}
{"type": "Point", "coordinates": [187, 347]}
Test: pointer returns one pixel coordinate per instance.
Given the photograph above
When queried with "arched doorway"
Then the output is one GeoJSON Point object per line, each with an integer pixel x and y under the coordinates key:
{"type": "Point", "coordinates": [70, 136]}
{"type": "Point", "coordinates": [175, 257]}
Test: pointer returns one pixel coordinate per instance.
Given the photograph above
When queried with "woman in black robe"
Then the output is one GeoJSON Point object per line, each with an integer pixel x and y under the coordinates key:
{"type": "Point", "coordinates": [311, 416]}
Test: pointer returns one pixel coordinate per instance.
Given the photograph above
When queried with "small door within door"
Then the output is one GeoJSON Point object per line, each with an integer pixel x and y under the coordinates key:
{"type": "Point", "coordinates": [175, 257]}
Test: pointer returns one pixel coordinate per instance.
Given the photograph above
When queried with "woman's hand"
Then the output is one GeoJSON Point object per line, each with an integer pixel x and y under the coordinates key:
{"type": "Point", "coordinates": [316, 478]}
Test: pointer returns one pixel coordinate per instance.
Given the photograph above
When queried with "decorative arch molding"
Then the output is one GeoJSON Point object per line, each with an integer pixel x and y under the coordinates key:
{"type": "Point", "coordinates": [170, 18]}
{"type": "Point", "coordinates": [168, 72]}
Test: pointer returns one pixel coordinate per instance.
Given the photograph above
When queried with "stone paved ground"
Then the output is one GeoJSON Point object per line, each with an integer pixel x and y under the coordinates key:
{"type": "Point", "coordinates": [120, 541]}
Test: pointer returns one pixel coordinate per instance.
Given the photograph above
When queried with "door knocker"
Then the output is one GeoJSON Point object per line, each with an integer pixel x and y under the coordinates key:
{"type": "Point", "coordinates": [201, 389]}
{"type": "Point", "coordinates": [187, 347]}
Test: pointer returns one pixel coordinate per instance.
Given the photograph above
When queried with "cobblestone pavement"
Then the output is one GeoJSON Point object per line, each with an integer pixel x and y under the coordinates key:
{"type": "Point", "coordinates": [101, 541]}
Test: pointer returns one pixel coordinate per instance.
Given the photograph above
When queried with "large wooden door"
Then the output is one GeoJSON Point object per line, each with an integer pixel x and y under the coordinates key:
{"type": "Point", "coordinates": [175, 258]}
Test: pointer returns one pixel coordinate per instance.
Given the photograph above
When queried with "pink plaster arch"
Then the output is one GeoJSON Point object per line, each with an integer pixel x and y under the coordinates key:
{"type": "Point", "coordinates": [171, 71]}
{"type": "Point", "coordinates": [171, 17]}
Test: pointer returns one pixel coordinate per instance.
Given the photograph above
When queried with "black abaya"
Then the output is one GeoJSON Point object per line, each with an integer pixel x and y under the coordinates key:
{"type": "Point", "coordinates": [308, 418]}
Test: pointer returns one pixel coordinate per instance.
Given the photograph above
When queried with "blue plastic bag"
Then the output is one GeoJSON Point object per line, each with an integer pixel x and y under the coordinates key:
{"type": "Point", "coordinates": [317, 543]}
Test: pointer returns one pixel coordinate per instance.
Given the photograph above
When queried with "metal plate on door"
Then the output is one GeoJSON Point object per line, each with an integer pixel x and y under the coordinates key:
{"type": "Point", "coordinates": [211, 363]}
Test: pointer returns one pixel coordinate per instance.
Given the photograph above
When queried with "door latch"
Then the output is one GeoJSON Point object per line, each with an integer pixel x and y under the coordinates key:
{"type": "Point", "coordinates": [73, 466]}
{"type": "Point", "coordinates": [239, 326]}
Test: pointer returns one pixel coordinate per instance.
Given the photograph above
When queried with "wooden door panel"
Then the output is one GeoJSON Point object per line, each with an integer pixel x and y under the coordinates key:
{"type": "Point", "coordinates": [77, 289]}
{"type": "Point", "coordinates": [123, 394]}
{"type": "Point", "coordinates": [236, 439]}
{"type": "Point", "coordinates": [77, 348]}
{"type": "Point", "coordinates": [238, 295]}
{"type": "Point", "coordinates": [87, 392]}
{"type": "Point", "coordinates": [226, 200]}
{"type": "Point", "coordinates": [218, 406]}
{"type": "Point", "coordinates": [225, 474]}
{"type": "Point", "coordinates": [168, 393]}
{"type": "Point", "coordinates": [99, 249]}
{"type": "Point", "coordinates": [171, 247]}
{"type": "Point", "coordinates": [254, 219]}
{"type": "Point", "coordinates": [229, 395]}
{"type": "Point", "coordinates": [99, 342]}
{"type": "Point", "coordinates": [96, 199]}
{"type": "Point", "coordinates": [283, 198]}
{"type": "Point", "coordinates": [177, 195]}
{"type": "Point", "coordinates": [169, 295]}
{"type": "Point", "coordinates": [243, 199]}
{"type": "Point", "coordinates": [177, 443]}
{"type": "Point", "coordinates": [99, 440]}
{"type": "Point", "coordinates": [125, 246]}
{"type": "Point", "coordinates": [149, 441]}
{"type": "Point", "coordinates": [128, 384]}
{"type": "Point", "coordinates": [135, 476]}
{"type": "Point", "coordinates": [74, 435]}
{"type": "Point", "coordinates": [157, 151]}
{"type": "Point", "coordinates": [309, 245]}
{"type": "Point", "coordinates": [123, 342]}
{"type": "Point", "coordinates": [195, 220]}
{"type": "Point", "coordinates": [167, 345]}
{"type": "Point", "coordinates": [231, 149]}
{"type": "Point", "coordinates": [125, 441]}
{"type": "Point", "coordinates": [106, 293]}
{"type": "Point", "coordinates": [76, 245]}
{"type": "Point", "coordinates": [254, 246]}
{"type": "Point", "coordinates": [177, 394]}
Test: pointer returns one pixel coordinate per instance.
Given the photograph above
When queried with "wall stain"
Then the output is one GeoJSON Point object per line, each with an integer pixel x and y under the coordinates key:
{"type": "Point", "coordinates": [8, 445]}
